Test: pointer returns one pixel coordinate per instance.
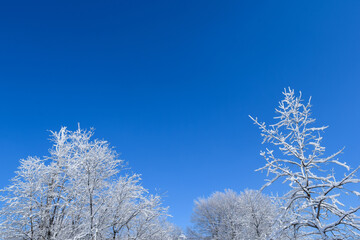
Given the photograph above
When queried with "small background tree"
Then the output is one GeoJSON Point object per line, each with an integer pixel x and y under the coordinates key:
{"type": "Point", "coordinates": [231, 216]}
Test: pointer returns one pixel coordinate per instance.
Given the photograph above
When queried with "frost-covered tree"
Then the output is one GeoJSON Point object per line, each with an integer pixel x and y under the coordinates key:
{"type": "Point", "coordinates": [313, 203]}
{"type": "Point", "coordinates": [78, 192]}
{"type": "Point", "coordinates": [21, 217]}
{"type": "Point", "coordinates": [259, 214]}
{"type": "Point", "coordinates": [232, 216]}
{"type": "Point", "coordinates": [215, 217]}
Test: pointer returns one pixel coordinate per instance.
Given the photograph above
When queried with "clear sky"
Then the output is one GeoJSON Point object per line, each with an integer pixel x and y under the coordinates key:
{"type": "Point", "coordinates": [170, 84]}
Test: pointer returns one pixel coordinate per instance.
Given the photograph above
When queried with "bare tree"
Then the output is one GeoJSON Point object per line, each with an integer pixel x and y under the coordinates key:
{"type": "Point", "coordinates": [299, 159]}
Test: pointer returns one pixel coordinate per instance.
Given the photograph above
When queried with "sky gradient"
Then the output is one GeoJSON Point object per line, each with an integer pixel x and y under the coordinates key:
{"type": "Point", "coordinates": [170, 84]}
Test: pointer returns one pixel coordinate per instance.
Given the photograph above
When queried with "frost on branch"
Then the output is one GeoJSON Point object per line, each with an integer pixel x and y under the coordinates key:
{"type": "Point", "coordinates": [299, 159]}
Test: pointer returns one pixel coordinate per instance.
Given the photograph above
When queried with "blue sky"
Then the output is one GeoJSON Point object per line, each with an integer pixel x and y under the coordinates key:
{"type": "Point", "coordinates": [170, 84]}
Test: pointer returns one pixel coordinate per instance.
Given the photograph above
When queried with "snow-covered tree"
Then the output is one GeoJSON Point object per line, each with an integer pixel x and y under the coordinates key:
{"type": "Point", "coordinates": [214, 217]}
{"type": "Point", "coordinates": [232, 216]}
{"type": "Point", "coordinates": [313, 203]}
{"type": "Point", "coordinates": [79, 192]}
{"type": "Point", "coordinates": [21, 217]}
{"type": "Point", "coordinates": [259, 214]}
